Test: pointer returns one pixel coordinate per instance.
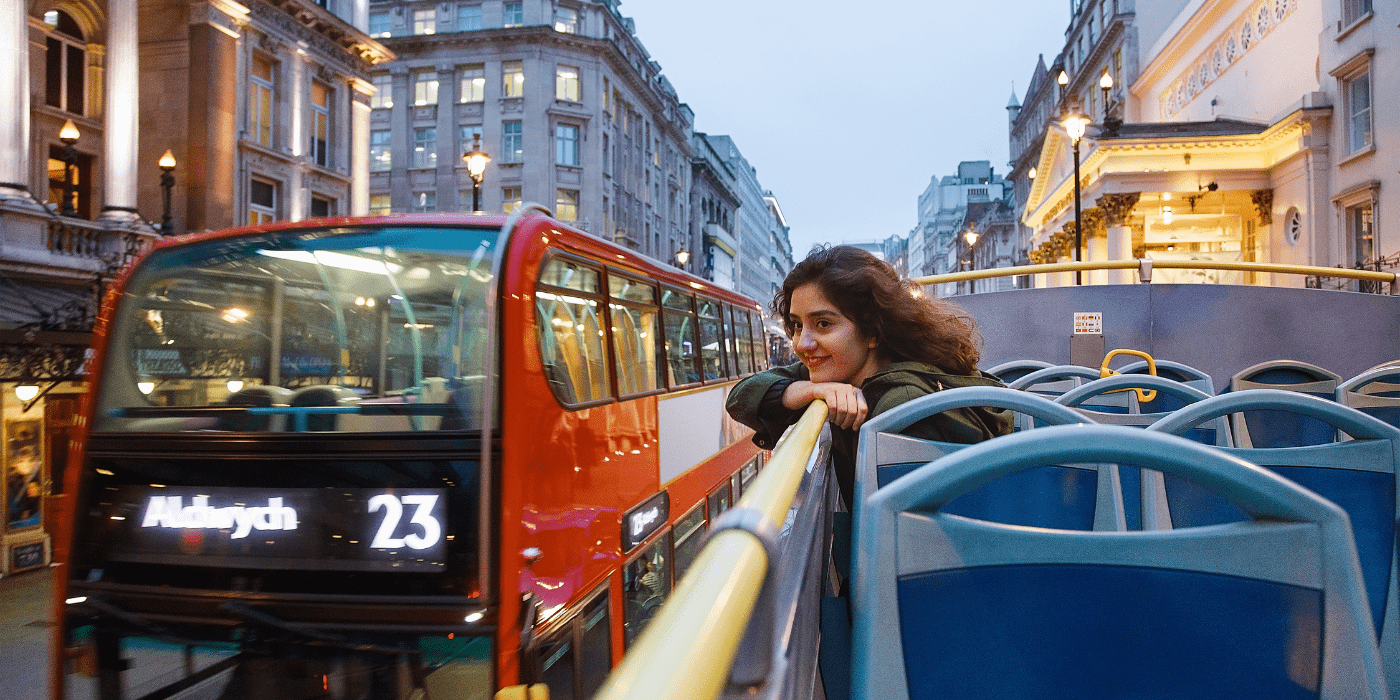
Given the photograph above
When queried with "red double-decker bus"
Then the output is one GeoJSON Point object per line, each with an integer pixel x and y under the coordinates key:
{"type": "Point", "coordinates": [401, 457]}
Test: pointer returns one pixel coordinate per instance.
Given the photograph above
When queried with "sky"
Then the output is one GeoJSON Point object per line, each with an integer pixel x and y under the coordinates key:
{"type": "Point", "coordinates": [845, 109]}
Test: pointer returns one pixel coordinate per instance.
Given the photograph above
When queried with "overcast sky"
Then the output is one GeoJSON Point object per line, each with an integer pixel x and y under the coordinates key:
{"type": "Point", "coordinates": [847, 109]}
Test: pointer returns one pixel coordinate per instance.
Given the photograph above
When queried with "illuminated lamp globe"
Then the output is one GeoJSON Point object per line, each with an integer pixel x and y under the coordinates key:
{"type": "Point", "coordinates": [26, 392]}
{"type": "Point", "coordinates": [1074, 126]}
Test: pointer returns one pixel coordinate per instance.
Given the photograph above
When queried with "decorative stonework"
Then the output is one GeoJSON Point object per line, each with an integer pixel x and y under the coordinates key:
{"type": "Point", "coordinates": [1264, 204]}
{"type": "Point", "coordinates": [1093, 220]}
{"type": "Point", "coordinates": [1246, 31]}
{"type": "Point", "coordinates": [1117, 207]}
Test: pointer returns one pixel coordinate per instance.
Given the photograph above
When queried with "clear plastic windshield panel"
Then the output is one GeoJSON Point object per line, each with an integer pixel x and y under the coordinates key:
{"type": "Point", "coordinates": [350, 330]}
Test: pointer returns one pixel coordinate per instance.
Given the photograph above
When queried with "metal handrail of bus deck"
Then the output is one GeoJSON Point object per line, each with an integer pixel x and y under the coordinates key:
{"type": "Point", "coordinates": [686, 651]}
{"type": "Point", "coordinates": [1144, 266]}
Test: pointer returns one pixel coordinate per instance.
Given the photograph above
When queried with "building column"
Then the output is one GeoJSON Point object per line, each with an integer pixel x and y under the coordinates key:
{"type": "Point", "coordinates": [297, 86]}
{"type": "Point", "coordinates": [1095, 245]}
{"type": "Point", "coordinates": [122, 113]}
{"type": "Point", "coordinates": [1117, 209]}
{"type": "Point", "coordinates": [360, 91]}
{"type": "Point", "coordinates": [14, 98]}
{"type": "Point", "coordinates": [215, 82]}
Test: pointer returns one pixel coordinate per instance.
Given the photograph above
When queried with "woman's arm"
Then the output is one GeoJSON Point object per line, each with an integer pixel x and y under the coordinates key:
{"type": "Point", "coordinates": [846, 407]}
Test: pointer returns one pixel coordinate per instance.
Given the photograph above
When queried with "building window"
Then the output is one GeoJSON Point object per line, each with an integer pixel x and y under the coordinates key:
{"type": "Point", "coordinates": [512, 150]}
{"type": "Point", "coordinates": [566, 144]}
{"type": "Point", "coordinates": [1359, 227]}
{"type": "Point", "coordinates": [425, 88]}
{"type": "Point", "coordinates": [379, 205]}
{"type": "Point", "coordinates": [424, 201]}
{"type": "Point", "coordinates": [380, 157]}
{"type": "Point", "coordinates": [320, 123]}
{"type": "Point", "coordinates": [262, 202]}
{"type": "Point", "coordinates": [424, 21]}
{"type": "Point", "coordinates": [466, 136]}
{"type": "Point", "coordinates": [513, 14]}
{"type": "Point", "coordinates": [260, 101]}
{"type": "Point", "coordinates": [513, 79]}
{"type": "Point", "coordinates": [379, 25]}
{"type": "Point", "coordinates": [566, 20]}
{"type": "Point", "coordinates": [511, 198]}
{"type": "Point", "coordinates": [1358, 104]}
{"type": "Point", "coordinates": [383, 97]}
{"type": "Point", "coordinates": [1353, 10]}
{"type": "Point", "coordinates": [566, 83]}
{"type": "Point", "coordinates": [65, 63]}
{"type": "Point", "coordinates": [473, 88]}
{"type": "Point", "coordinates": [425, 148]}
{"type": "Point", "coordinates": [82, 190]}
{"type": "Point", "coordinates": [469, 18]}
{"type": "Point", "coordinates": [321, 206]}
{"type": "Point", "coordinates": [566, 205]}
{"type": "Point", "coordinates": [607, 156]}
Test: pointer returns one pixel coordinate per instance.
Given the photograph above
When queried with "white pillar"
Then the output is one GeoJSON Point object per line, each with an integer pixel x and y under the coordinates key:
{"type": "Point", "coordinates": [359, 146]}
{"type": "Point", "coordinates": [1097, 251]}
{"type": "Point", "coordinates": [122, 113]}
{"type": "Point", "coordinates": [1120, 247]}
{"type": "Point", "coordinates": [14, 95]}
{"type": "Point", "coordinates": [1064, 279]}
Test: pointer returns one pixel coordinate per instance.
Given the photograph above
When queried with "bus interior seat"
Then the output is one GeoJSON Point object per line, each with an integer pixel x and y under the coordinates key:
{"type": "Point", "coordinates": [1356, 474]}
{"type": "Point", "coordinates": [1272, 429]}
{"type": "Point", "coordinates": [257, 396]}
{"type": "Point", "coordinates": [320, 396]}
{"type": "Point", "coordinates": [1010, 371]}
{"type": "Point", "coordinates": [1375, 392]}
{"type": "Point", "coordinates": [1186, 374]}
{"type": "Point", "coordinates": [1051, 382]}
{"type": "Point", "coordinates": [951, 607]}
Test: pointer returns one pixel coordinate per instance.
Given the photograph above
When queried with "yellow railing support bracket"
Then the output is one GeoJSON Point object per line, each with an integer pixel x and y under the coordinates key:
{"type": "Point", "coordinates": [1104, 371]}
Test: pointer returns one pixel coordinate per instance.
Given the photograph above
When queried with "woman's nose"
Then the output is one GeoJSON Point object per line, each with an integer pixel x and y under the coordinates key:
{"type": "Point", "coordinates": [803, 342]}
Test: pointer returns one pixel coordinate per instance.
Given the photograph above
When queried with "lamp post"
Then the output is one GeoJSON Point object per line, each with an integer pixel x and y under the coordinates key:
{"type": "Point", "coordinates": [476, 162]}
{"type": "Point", "coordinates": [167, 181]}
{"type": "Point", "coordinates": [683, 257]}
{"type": "Point", "coordinates": [1074, 126]}
{"type": "Point", "coordinates": [970, 235]}
{"type": "Point", "coordinates": [1110, 122]}
{"type": "Point", "coordinates": [69, 136]}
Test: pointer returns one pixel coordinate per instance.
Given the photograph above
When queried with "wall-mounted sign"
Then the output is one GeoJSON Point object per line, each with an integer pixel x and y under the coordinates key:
{"type": "Point", "coordinates": [639, 523]}
{"type": "Point", "coordinates": [29, 555]}
{"type": "Point", "coordinates": [294, 528]}
{"type": "Point", "coordinates": [24, 474]}
{"type": "Point", "coordinates": [1086, 322]}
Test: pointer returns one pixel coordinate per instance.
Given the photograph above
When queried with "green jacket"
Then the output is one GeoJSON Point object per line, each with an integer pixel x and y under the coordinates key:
{"type": "Point", "coordinates": [756, 401]}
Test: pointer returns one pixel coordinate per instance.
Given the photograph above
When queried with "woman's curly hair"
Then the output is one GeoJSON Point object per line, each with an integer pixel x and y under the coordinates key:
{"type": "Point", "coordinates": [906, 324]}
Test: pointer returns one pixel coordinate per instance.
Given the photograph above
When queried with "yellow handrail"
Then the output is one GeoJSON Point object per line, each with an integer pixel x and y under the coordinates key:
{"type": "Point", "coordinates": [1369, 275]}
{"type": "Point", "coordinates": [688, 647]}
{"type": "Point", "coordinates": [1104, 371]}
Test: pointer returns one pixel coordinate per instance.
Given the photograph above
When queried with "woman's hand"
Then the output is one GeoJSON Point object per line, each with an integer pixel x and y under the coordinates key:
{"type": "Point", "coordinates": [845, 404]}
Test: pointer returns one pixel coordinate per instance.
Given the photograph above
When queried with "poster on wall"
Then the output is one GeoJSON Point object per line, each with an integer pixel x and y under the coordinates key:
{"type": "Point", "coordinates": [24, 478]}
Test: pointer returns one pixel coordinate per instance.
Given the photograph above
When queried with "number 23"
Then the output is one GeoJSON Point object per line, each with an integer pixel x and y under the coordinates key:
{"type": "Point", "coordinates": [393, 512]}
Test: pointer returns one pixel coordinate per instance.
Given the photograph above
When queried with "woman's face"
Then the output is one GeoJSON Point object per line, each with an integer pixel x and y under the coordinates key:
{"type": "Point", "coordinates": [828, 342]}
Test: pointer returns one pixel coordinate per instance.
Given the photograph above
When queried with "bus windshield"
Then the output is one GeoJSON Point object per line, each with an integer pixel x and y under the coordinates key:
{"type": "Point", "coordinates": [354, 329]}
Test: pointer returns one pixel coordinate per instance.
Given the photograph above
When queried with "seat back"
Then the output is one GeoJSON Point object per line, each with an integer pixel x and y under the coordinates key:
{"type": "Point", "coordinates": [952, 607]}
{"type": "Point", "coordinates": [1054, 381]}
{"type": "Point", "coordinates": [1260, 428]}
{"type": "Point", "coordinates": [1075, 496]}
{"type": "Point", "coordinates": [256, 396]}
{"type": "Point", "coordinates": [1357, 474]}
{"type": "Point", "coordinates": [1010, 371]}
{"type": "Point", "coordinates": [329, 396]}
{"type": "Point", "coordinates": [1375, 392]}
{"type": "Point", "coordinates": [1186, 374]}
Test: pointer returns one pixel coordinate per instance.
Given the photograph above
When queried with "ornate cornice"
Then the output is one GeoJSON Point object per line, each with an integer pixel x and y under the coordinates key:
{"type": "Point", "coordinates": [314, 24]}
{"type": "Point", "coordinates": [1264, 204]}
{"type": "Point", "coordinates": [1117, 207]}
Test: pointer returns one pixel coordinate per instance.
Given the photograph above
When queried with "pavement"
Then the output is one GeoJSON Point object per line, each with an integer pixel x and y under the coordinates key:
{"type": "Point", "coordinates": [24, 629]}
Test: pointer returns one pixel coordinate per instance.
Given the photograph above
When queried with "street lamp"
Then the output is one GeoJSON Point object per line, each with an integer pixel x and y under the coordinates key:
{"type": "Point", "coordinates": [683, 257]}
{"type": "Point", "coordinates": [970, 235]}
{"type": "Point", "coordinates": [1074, 126]}
{"type": "Point", "coordinates": [476, 162]}
{"type": "Point", "coordinates": [69, 136]}
{"type": "Point", "coordinates": [167, 181]}
{"type": "Point", "coordinates": [1110, 122]}
{"type": "Point", "coordinates": [25, 392]}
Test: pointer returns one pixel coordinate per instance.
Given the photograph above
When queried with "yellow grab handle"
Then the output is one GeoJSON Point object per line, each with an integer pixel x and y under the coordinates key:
{"type": "Point", "coordinates": [1104, 371]}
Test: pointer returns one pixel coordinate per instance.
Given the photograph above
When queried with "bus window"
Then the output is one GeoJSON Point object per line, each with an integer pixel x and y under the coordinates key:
{"type": "Point", "coordinates": [731, 343]}
{"type": "Point", "coordinates": [690, 536]}
{"type": "Point", "coordinates": [711, 354]}
{"type": "Point", "coordinates": [595, 646]}
{"type": "Point", "coordinates": [645, 584]}
{"type": "Point", "coordinates": [681, 339]}
{"type": "Point", "coordinates": [576, 656]}
{"type": "Point", "coordinates": [571, 334]}
{"type": "Point", "coordinates": [747, 474]}
{"type": "Point", "coordinates": [760, 341]}
{"type": "Point", "coordinates": [719, 501]}
{"type": "Point", "coordinates": [383, 316]}
{"type": "Point", "coordinates": [557, 663]}
{"type": "Point", "coordinates": [634, 335]}
{"type": "Point", "coordinates": [745, 341]}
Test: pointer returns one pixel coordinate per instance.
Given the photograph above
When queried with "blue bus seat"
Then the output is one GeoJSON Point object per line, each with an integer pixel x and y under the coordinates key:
{"type": "Point", "coordinates": [1357, 474]}
{"type": "Point", "coordinates": [1186, 374]}
{"type": "Point", "coordinates": [1375, 392]}
{"type": "Point", "coordinates": [1265, 429]}
{"type": "Point", "coordinates": [1076, 496]}
{"type": "Point", "coordinates": [1010, 371]}
{"type": "Point", "coordinates": [257, 396]}
{"type": "Point", "coordinates": [951, 607]}
{"type": "Point", "coordinates": [319, 396]}
{"type": "Point", "coordinates": [1139, 486]}
{"type": "Point", "coordinates": [1054, 381]}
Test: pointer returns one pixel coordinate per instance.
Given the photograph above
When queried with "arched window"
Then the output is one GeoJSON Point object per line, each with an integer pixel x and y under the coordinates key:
{"type": "Point", "coordinates": [65, 63]}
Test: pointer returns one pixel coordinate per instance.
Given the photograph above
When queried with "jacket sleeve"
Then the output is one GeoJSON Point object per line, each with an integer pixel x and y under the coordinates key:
{"type": "Point", "coordinates": [757, 401]}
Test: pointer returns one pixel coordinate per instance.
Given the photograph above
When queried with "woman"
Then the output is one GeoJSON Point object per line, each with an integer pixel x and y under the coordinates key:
{"type": "Point", "coordinates": [867, 342]}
